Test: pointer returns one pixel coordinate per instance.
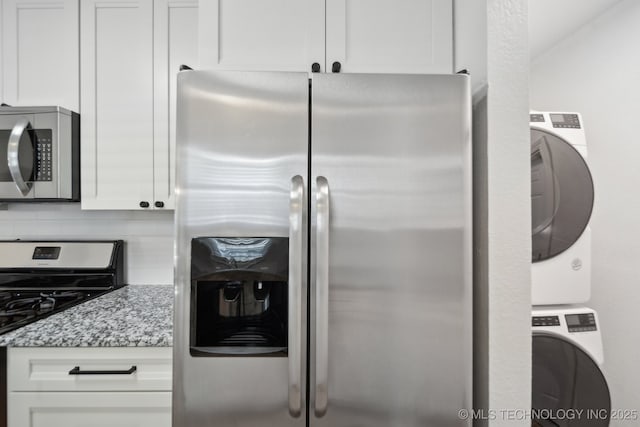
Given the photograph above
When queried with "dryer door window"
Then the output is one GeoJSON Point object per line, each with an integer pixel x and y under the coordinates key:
{"type": "Point", "coordinates": [565, 377]}
{"type": "Point", "coordinates": [561, 195]}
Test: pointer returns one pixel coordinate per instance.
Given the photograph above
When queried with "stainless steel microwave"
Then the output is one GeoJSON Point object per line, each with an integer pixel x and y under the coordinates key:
{"type": "Point", "coordinates": [39, 154]}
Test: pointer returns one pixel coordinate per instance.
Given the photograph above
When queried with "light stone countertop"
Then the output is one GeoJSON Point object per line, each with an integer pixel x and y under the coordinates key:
{"type": "Point", "coordinates": [132, 316]}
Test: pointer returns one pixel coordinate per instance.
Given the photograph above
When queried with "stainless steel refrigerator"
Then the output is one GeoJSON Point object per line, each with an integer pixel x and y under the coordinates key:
{"type": "Point", "coordinates": [323, 250]}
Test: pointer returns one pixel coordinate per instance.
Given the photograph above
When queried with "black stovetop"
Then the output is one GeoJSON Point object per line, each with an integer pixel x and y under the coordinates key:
{"type": "Point", "coordinates": [21, 307]}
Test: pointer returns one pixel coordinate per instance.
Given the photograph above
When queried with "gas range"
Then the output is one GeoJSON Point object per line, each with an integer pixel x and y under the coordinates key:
{"type": "Point", "coordinates": [40, 278]}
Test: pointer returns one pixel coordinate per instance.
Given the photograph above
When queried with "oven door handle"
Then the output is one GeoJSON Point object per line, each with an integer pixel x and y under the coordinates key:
{"type": "Point", "coordinates": [297, 210]}
{"type": "Point", "coordinates": [13, 160]}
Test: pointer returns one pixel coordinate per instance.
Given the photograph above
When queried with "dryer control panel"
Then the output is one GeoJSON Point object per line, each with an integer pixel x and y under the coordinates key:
{"type": "Point", "coordinates": [536, 117]}
{"type": "Point", "coordinates": [565, 120]}
{"type": "Point", "coordinates": [545, 321]}
{"type": "Point", "coordinates": [581, 322]}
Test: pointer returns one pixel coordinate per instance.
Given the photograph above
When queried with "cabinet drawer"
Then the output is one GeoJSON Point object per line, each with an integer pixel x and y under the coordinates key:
{"type": "Point", "coordinates": [54, 369]}
{"type": "Point", "coordinates": [131, 409]}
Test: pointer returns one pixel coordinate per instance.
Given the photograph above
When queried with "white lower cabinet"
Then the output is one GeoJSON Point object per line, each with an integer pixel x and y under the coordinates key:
{"type": "Point", "coordinates": [89, 387]}
{"type": "Point", "coordinates": [95, 409]}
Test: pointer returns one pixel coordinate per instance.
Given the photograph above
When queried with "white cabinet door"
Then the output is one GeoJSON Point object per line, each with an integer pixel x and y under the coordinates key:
{"type": "Point", "coordinates": [116, 89]}
{"type": "Point", "coordinates": [41, 52]}
{"type": "Point", "coordinates": [390, 36]}
{"type": "Point", "coordinates": [175, 43]}
{"type": "Point", "coordinates": [49, 409]}
{"type": "Point", "coordinates": [267, 35]}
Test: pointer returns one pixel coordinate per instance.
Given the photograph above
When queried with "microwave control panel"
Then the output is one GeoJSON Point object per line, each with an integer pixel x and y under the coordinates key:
{"type": "Point", "coordinates": [43, 144]}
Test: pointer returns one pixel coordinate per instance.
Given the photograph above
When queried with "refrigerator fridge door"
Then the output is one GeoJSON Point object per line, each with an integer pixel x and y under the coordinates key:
{"type": "Point", "coordinates": [391, 307]}
{"type": "Point", "coordinates": [241, 249]}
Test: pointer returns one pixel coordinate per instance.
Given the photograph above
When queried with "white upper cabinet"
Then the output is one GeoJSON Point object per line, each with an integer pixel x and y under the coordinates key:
{"type": "Point", "coordinates": [363, 36]}
{"type": "Point", "coordinates": [131, 52]}
{"type": "Point", "coordinates": [267, 35]}
{"type": "Point", "coordinates": [175, 43]}
{"type": "Point", "coordinates": [40, 53]}
{"type": "Point", "coordinates": [390, 36]}
{"type": "Point", "coordinates": [117, 103]}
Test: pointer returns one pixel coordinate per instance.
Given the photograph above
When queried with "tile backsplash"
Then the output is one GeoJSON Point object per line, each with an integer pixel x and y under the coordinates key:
{"type": "Point", "coordinates": [149, 234]}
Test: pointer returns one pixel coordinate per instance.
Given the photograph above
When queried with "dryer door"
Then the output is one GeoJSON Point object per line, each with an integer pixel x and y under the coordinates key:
{"type": "Point", "coordinates": [568, 388]}
{"type": "Point", "coordinates": [561, 195]}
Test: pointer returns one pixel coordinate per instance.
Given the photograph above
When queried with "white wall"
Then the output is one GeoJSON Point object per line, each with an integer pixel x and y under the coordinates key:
{"type": "Point", "coordinates": [596, 71]}
{"type": "Point", "coordinates": [509, 209]}
{"type": "Point", "coordinates": [491, 42]}
{"type": "Point", "coordinates": [553, 20]}
{"type": "Point", "coordinates": [149, 235]}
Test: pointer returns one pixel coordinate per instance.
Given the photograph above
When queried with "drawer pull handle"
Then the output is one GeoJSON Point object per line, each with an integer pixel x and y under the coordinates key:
{"type": "Point", "coordinates": [77, 371]}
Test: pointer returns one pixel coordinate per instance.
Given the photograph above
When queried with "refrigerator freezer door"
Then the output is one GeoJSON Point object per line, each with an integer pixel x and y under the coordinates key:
{"type": "Point", "coordinates": [392, 158]}
{"type": "Point", "coordinates": [242, 165]}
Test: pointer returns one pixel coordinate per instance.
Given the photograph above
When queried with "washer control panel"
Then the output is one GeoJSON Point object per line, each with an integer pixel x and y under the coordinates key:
{"type": "Point", "coordinates": [565, 120]}
{"type": "Point", "coordinates": [536, 118]}
{"type": "Point", "coordinates": [581, 322]}
{"type": "Point", "coordinates": [545, 321]}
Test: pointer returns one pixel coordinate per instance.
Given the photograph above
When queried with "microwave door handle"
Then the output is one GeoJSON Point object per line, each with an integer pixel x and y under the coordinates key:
{"type": "Point", "coordinates": [322, 296]}
{"type": "Point", "coordinates": [13, 160]}
{"type": "Point", "coordinates": [297, 209]}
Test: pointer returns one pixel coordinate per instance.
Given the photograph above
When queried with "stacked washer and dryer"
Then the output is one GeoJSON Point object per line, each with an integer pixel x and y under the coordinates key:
{"type": "Point", "coordinates": [568, 386]}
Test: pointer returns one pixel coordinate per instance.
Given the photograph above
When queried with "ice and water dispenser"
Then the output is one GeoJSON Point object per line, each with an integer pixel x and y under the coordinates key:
{"type": "Point", "coordinates": [239, 296]}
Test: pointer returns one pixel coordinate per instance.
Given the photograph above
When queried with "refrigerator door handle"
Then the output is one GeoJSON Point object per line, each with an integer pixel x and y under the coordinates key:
{"type": "Point", "coordinates": [296, 250]}
{"type": "Point", "coordinates": [322, 296]}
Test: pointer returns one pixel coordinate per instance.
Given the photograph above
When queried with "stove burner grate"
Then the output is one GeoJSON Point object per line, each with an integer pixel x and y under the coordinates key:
{"type": "Point", "coordinates": [20, 307]}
